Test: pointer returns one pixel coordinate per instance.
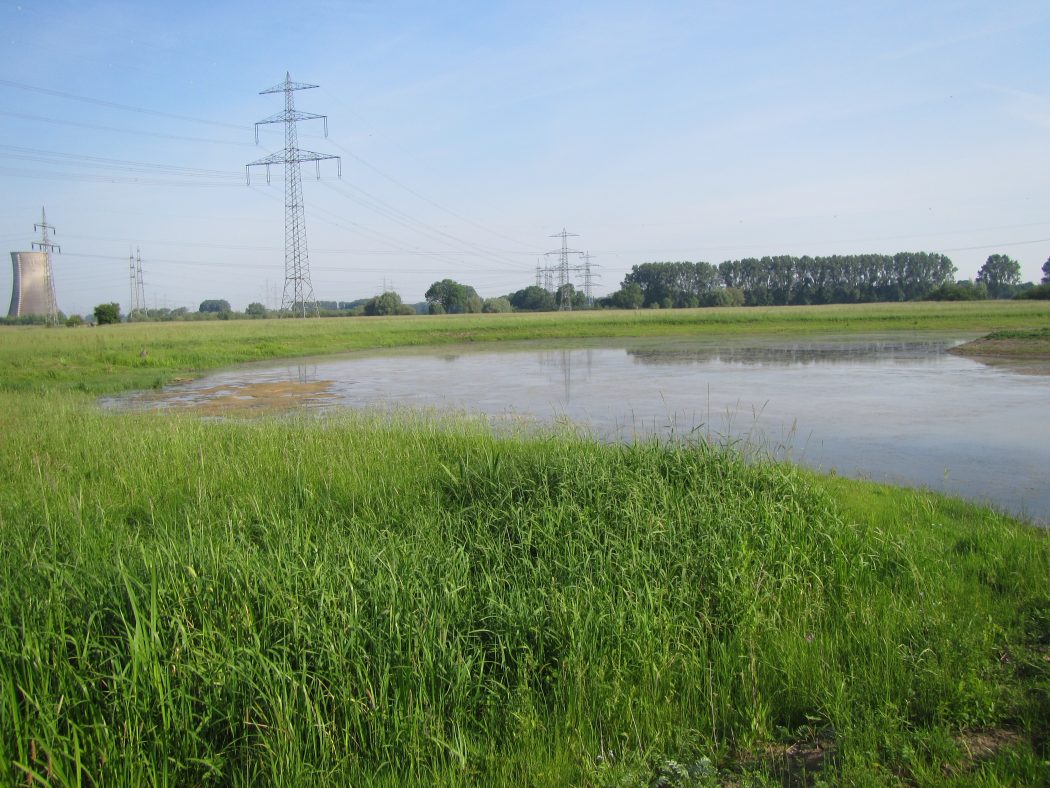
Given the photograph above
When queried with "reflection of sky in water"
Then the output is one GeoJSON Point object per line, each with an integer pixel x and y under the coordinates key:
{"type": "Point", "coordinates": [897, 410]}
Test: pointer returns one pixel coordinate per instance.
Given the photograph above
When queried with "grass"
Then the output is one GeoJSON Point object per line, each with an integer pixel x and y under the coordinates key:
{"type": "Point", "coordinates": [1011, 344]}
{"type": "Point", "coordinates": [372, 601]}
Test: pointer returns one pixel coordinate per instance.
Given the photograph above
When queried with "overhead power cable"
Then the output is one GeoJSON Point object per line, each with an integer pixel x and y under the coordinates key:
{"type": "Point", "coordinates": [114, 105]}
{"type": "Point", "coordinates": [115, 179]}
{"type": "Point", "coordinates": [415, 225]}
{"type": "Point", "coordinates": [429, 201]}
{"type": "Point", "coordinates": [57, 157]}
{"type": "Point", "coordinates": [136, 132]}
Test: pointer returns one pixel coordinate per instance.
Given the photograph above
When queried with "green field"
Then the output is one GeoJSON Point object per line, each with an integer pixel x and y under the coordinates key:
{"type": "Point", "coordinates": [351, 600]}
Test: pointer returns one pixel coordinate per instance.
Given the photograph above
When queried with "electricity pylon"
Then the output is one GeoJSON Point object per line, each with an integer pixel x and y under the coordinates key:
{"type": "Point", "coordinates": [45, 246]}
{"type": "Point", "coordinates": [138, 289]}
{"type": "Point", "coordinates": [588, 279]}
{"type": "Point", "coordinates": [563, 265]}
{"type": "Point", "coordinates": [298, 289]}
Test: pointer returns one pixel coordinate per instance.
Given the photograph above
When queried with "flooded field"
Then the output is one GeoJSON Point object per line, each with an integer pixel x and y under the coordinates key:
{"type": "Point", "coordinates": [899, 409]}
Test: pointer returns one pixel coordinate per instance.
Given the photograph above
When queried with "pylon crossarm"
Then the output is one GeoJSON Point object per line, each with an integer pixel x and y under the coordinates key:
{"type": "Point", "coordinates": [290, 115]}
{"type": "Point", "coordinates": [287, 85]}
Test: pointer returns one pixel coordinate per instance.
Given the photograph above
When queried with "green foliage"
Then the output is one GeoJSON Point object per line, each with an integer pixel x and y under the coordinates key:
{"type": "Point", "coordinates": [215, 305]}
{"type": "Point", "coordinates": [630, 296]}
{"type": "Point", "coordinates": [74, 320]}
{"type": "Point", "coordinates": [1038, 293]}
{"type": "Point", "coordinates": [532, 299]}
{"type": "Point", "coordinates": [296, 602]}
{"type": "Point", "coordinates": [1046, 272]}
{"type": "Point", "coordinates": [107, 314]}
{"type": "Point", "coordinates": [24, 320]}
{"type": "Point", "coordinates": [670, 285]}
{"type": "Point", "coordinates": [255, 309]}
{"type": "Point", "coordinates": [964, 290]}
{"type": "Point", "coordinates": [388, 303]}
{"type": "Point", "coordinates": [500, 304]}
{"type": "Point", "coordinates": [1001, 274]}
{"type": "Point", "coordinates": [785, 280]}
{"type": "Point", "coordinates": [567, 297]}
{"type": "Point", "coordinates": [725, 296]}
{"type": "Point", "coordinates": [837, 278]}
{"type": "Point", "coordinates": [453, 297]}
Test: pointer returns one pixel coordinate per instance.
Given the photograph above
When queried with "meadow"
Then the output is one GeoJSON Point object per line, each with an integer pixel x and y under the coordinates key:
{"type": "Point", "coordinates": [364, 600]}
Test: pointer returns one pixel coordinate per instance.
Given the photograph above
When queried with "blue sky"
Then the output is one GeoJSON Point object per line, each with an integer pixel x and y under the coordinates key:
{"type": "Point", "coordinates": [471, 132]}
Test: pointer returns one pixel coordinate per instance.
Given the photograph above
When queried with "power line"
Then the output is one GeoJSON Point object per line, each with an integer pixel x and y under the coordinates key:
{"type": "Point", "coordinates": [428, 200]}
{"type": "Point", "coordinates": [137, 132]}
{"type": "Point", "coordinates": [58, 157]}
{"type": "Point", "coordinates": [114, 105]}
{"type": "Point", "coordinates": [114, 179]}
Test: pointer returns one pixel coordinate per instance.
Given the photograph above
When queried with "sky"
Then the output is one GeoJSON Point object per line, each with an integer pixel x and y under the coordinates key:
{"type": "Point", "coordinates": [470, 133]}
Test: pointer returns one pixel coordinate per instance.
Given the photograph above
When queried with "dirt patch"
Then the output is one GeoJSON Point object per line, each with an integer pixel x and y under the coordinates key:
{"type": "Point", "coordinates": [792, 764]}
{"type": "Point", "coordinates": [242, 399]}
{"type": "Point", "coordinates": [983, 745]}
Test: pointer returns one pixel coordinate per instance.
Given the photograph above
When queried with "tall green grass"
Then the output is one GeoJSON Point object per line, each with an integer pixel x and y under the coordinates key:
{"type": "Point", "coordinates": [366, 601]}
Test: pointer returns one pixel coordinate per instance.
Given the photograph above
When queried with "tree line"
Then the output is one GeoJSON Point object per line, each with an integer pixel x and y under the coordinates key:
{"type": "Point", "coordinates": [765, 281]}
{"type": "Point", "coordinates": [783, 280]}
{"type": "Point", "coordinates": [834, 279]}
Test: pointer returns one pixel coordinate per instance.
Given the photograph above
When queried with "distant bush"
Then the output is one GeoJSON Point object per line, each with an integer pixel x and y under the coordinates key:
{"type": "Point", "coordinates": [1038, 293]}
{"type": "Point", "coordinates": [960, 291]}
{"type": "Point", "coordinates": [500, 304]}
{"type": "Point", "coordinates": [106, 314]}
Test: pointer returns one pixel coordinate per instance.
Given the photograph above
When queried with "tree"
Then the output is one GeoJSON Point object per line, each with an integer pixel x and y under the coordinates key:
{"type": "Point", "coordinates": [501, 304]}
{"type": "Point", "coordinates": [106, 314]}
{"type": "Point", "coordinates": [630, 296]}
{"type": "Point", "coordinates": [389, 303]}
{"type": "Point", "coordinates": [215, 305]}
{"type": "Point", "coordinates": [255, 309]}
{"type": "Point", "coordinates": [74, 320]}
{"type": "Point", "coordinates": [567, 297]}
{"type": "Point", "coordinates": [453, 297]}
{"type": "Point", "coordinates": [725, 296]}
{"type": "Point", "coordinates": [532, 299]}
{"type": "Point", "coordinates": [964, 290]}
{"type": "Point", "coordinates": [1001, 274]}
{"type": "Point", "coordinates": [1046, 272]}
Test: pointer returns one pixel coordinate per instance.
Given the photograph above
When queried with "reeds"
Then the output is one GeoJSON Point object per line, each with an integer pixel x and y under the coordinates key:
{"type": "Point", "coordinates": [357, 600]}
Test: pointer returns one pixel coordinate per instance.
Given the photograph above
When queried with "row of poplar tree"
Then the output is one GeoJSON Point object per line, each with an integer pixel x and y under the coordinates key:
{"type": "Point", "coordinates": [781, 280]}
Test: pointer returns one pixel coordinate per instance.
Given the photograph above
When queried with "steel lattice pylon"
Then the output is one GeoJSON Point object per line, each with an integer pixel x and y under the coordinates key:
{"type": "Point", "coordinates": [48, 248]}
{"type": "Point", "coordinates": [298, 289]}
{"type": "Point", "coordinates": [564, 269]}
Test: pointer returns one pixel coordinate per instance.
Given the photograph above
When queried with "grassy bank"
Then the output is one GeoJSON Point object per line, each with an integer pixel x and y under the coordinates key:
{"type": "Point", "coordinates": [1015, 345]}
{"type": "Point", "coordinates": [142, 355]}
{"type": "Point", "coordinates": [355, 601]}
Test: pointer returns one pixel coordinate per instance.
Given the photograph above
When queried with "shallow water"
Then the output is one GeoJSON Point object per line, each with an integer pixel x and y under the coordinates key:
{"type": "Point", "coordinates": [895, 409]}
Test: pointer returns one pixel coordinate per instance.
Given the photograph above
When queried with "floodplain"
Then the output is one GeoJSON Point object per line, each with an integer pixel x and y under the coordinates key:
{"type": "Point", "coordinates": [362, 599]}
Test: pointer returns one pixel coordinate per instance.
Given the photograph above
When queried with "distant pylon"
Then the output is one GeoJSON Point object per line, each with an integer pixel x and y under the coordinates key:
{"type": "Point", "coordinates": [588, 279]}
{"type": "Point", "coordinates": [298, 289]}
{"type": "Point", "coordinates": [563, 264]}
{"type": "Point", "coordinates": [137, 305]}
{"type": "Point", "coordinates": [140, 282]}
{"type": "Point", "coordinates": [45, 246]}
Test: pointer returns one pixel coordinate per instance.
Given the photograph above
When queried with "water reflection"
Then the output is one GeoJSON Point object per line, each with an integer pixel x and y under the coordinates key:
{"type": "Point", "coordinates": [895, 409]}
{"type": "Point", "coordinates": [795, 354]}
{"type": "Point", "coordinates": [559, 365]}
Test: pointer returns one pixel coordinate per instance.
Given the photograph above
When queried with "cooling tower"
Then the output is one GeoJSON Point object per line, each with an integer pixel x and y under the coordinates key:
{"type": "Point", "coordinates": [31, 292]}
